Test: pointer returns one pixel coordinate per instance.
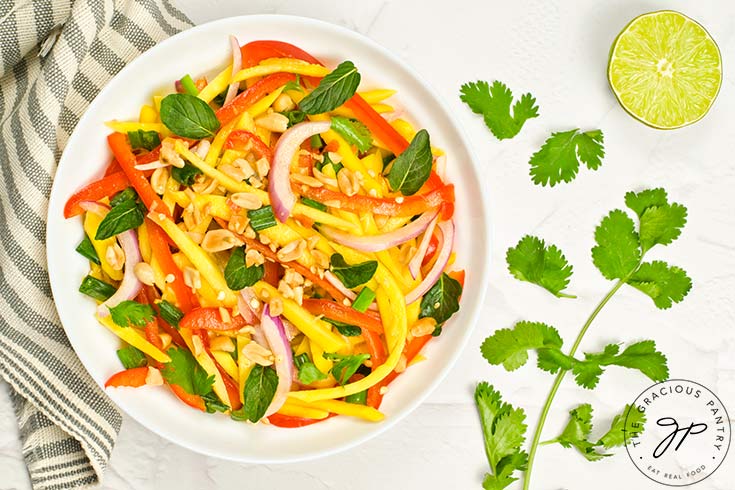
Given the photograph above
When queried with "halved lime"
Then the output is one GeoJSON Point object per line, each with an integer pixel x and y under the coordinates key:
{"type": "Point", "coordinates": [665, 69]}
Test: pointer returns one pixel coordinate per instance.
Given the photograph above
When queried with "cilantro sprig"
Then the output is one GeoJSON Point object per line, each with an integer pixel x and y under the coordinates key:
{"type": "Point", "coordinates": [559, 158]}
{"type": "Point", "coordinates": [493, 103]}
{"type": "Point", "coordinates": [622, 241]}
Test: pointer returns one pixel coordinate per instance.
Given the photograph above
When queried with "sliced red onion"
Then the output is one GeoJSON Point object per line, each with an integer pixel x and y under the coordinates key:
{"type": "Point", "coordinates": [179, 87]}
{"type": "Point", "coordinates": [279, 186]}
{"type": "Point", "coordinates": [130, 285]}
{"type": "Point", "coordinates": [236, 66]}
{"type": "Point", "coordinates": [275, 334]}
{"type": "Point", "coordinates": [245, 307]}
{"type": "Point", "coordinates": [383, 241]}
{"type": "Point", "coordinates": [202, 148]}
{"type": "Point", "coordinates": [414, 264]}
{"type": "Point", "coordinates": [334, 281]}
{"type": "Point", "coordinates": [447, 236]}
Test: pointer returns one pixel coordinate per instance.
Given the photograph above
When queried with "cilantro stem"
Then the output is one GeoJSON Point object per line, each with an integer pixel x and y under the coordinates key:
{"type": "Point", "coordinates": [559, 378]}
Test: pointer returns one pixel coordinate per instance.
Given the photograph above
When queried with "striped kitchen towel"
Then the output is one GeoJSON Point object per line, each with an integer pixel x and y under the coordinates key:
{"type": "Point", "coordinates": [55, 55]}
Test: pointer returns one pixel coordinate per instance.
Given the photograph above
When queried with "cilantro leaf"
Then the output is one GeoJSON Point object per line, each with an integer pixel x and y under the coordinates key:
{"type": "Point", "coordinates": [307, 370]}
{"type": "Point", "coordinates": [354, 132]}
{"type": "Point", "coordinates": [442, 300]}
{"type": "Point", "coordinates": [411, 169]}
{"type": "Point", "coordinates": [532, 261]}
{"type": "Point", "coordinates": [665, 284]}
{"type": "Point", "coordinates": [333, 91]}
{"type": "Point", "coordinates": [493, 103]}
{"type": "Point", "coordinates": [345, 366]}
{"type": "Point", "coordinates": [510, 347]}
{"type": "Point", "coordinates": [630, 421]}
{"type": "Point", "coordinates": [660, 221]}
{"type": "Point", "coordinates": [617, 252]}
{"type": "Point", "coordinates": [352, 275]}
{"type": "Point", "coordinates": [131, 313]}
{"type": "Point", "coordinates": [185, 371]}
{"type": "Point", "coordinates": [503, 429]}
{"type": "Point", "coordinates": [643, 200]}
{"type": "Point", "coordinates": [559, 158]}
{"type": "Point", "coordinates": [642, 356]}
{"type": "Point", "coordinates": [238, 275]}
{"type": "Point", "coordinates": [294, 85]}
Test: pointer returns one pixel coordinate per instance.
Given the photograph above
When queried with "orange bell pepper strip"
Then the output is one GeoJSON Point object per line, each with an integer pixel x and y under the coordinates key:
{"type": "Point", "coordinates": [194, 401]}
{"type": "Point", "coordinates": [151, 328]}
{"type": "Point", "coordinates": [376, 349]}
{"type": "Point", "coordinates": [105, 187]}
{"type": "Point", "coordinates": [133, 378]}
{"type": "Point", "coordinates": [240, 138]}
{"type": "Point", "coordinates": [161, 251]}
{"type": "Point", "coordinates": [409, 206]}
{"type": "Point", "coordinates": [458, 276]}
{"type": "Point", "coordinates": [260, 89]}
{"type": "Point", "coordinates": [233, 389]}
{"type": "Point", "coordinates": [291, 422]}
{"type": "Point", "coordinates": [209, 318]}
{"type": "Point", "coordinates": [344, 314]}
{"type": "Point", "coordinates": [120, 147]}
{"type": "Point", "coordinates": [151, 295]}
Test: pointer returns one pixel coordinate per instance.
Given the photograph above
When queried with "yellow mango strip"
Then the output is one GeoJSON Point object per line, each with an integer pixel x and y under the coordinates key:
{"type": "Point", "coordinates": [208, 365]}
{"type": "Point", "coordinates": [285, 65]}
{"type": "Point", "coordinates": [91, 223]}
{"type": "Point", "coordinates": [127, 126]}
{"type": "Point", "coordinates": [301, 411]}
{"type": "Point", "coordinates": [96, 271]}
{"type": "Point", "coordinates": [405, 128]}
{"type": "Point", "coordinates": [263, 104]}
{"type": "Point", "coordinates": [159, 278]}
{"type": "Point", "coordinates": [263, 134]}
{"type": "Point", "coordinates": [171, 186]}
{"type": "Point", "coordinates": [317, 357]}
{"type": "Point", "coordinates": [157, 102]}
{"type": "Point", "coordinates": [246, 122]}
{"type": "Point", "coordinates": [344, 408]}
{"type": "Point", "coordinates": [244, 365]}
{"type": "Point", "coordinates": [131, 336]}
{"type": "Point", "coordinates": [377, 95]}
{"type": "Point", "coordinates": [318, 331]}
{"type": "Point", "coordinates": [306, 233]}
{"type": "Point", "coordinates": [349, 159]}
{"type": "Point", "coordinates": [412, 312]}
{"type": "Point", "coordinates": [395, 222]}
{"type": "Point", "coordinates": [201, 260]}
{"type": "Point", "coordinates": [345, 112]}
{"type": "Point", "coordinates": [233, 185]}
{"type": "Point", "coordinates": [303, 346]}
{"type": "Point", "coordinates": [207, 294]}
{"type": "Point", "coordinates": [417, 359]}
{"type": "Point", "coordinates": [218, 142]}
{"type": "Point", "coordinates": [373, 162]}
{"type": "Point", "coordinates": [229, 156]}
{"type": "Point", "coordinates": [144, 244]}
{"type": "Point", "coordinates": [217, 85]}
{"type": "Point", "coordinates": [383, 108]}
{"type": "Point", "coordinates": [392, 306]}
{"type": "Point", "coordinates": [228, 363]}
{"type": "Point", "coordinates": [282, 235]}
{"type": "Point", "coordinates": [217, 205]}
{"type": "Point", "coordinates": [147, 114]}
{"type": "Point", "coordinates": [399, 271]}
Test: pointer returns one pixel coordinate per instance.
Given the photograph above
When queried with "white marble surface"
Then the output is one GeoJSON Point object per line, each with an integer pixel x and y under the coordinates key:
{"type": "Point", "coordinates": [558, 50]}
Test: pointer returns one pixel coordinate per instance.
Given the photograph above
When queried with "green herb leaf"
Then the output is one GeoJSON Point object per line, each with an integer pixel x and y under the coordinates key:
{"type": "Point", "coordinates": [131, 313]}
{"type": "Point", "coordinates": [294, 117]}
{"type": "Point", "coordinates": [127, 215]}
{"type": "Point", "coordinates": [510, 347]}
{"type": "Point", "coordinates": [345, 366]}
{"type": "Point", "coordinates": [354, 132]}
{"type": "Point", "coordinates": [363, 300]}
{"type": "Point", "coordinates": [170, 313]}
{"type": "Point", "coordinates": [344, 328]}
{"type": "Point", "coordinates": [143, 139]}
{"type": "Point", "coordinates": [642, 356]}
{"type": "Point", "coordinates": [294, 85]}
{"type": "Point", "coordinates": [493, 103]}
{"type": "Point", "coordinates": [617, 252]}
{"type": "Point", "coordinates": [307, 370]}
{"type": "Point", "coordinates": [188, 116]}
{"type": "Point", "coordinates": [660, 222]}
{"type": "Point", "coordinates": [127, 194]}
{"type": "Point", "coordinates": [359, 398]}
{"type": "Point", "coordinates": [94, 288]}
{"type": "Point", "coordinates": [239, 276]}
{"type": "Point", "coordinates": [665, 284]}
{"type": "Point", "coordinates": [412, 167]}
{"type": "Point", "coordinates": [334, 90]}
{"type": "Point", "coordinates": [185, 175]}
{"type": "Point", "coordinates": [503, 430]}
{"type": "Point", "coordinates": [259, 390]}
{"type": "Point", "coordinates": [130, 357]}
{"type": "Point", "coordinates": [262, 218]}
{"type": "Point", "coordinates": [213, 404]}
{"type": "Point", "coordinates": [559, 158]}
{"type": "Point", "coordinates": [442, 300]}
{"type": "Point", "coordinates": [532, 261]}
{"type": "Point", "coordinates": [577, 432]}
{"type": "Point", "coordinates": [630, 421]}
{"type": "Point", "coordinates": [86, 250]}
{"type": "Point", "coordinates": [328, 161]}
{"type": "Point", "coordinates": [352, 275]}
{"type": "Point", "coordinates": [313, 204]}
{"type": "Point", "coordinates": [185, 371]}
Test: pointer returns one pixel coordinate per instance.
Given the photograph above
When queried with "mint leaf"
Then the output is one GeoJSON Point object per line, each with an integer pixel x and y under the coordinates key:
{"type": "Point", "coordinates": [493, 103]}
{"type": "Point", "coordinates": [411, 169]}
{"type": "Point", "coordinates": [344, 365]}
{"type": "Point", "coordinates": [127, 215]}
{"type": "Point", "coordinates": [188, 116]}
{"type": "Point", "coordinates": [307, 370]}
{"type": "Point", "coordinates": [442, 300]}
{"type": "Point", "coordinates": [334, 90]}
{"type": "Point", "coordinates": [259, 390]}
{"type": "Point", "coordinates": [352, 275]}
{"type": "Point", "coordinates": [354, 132]}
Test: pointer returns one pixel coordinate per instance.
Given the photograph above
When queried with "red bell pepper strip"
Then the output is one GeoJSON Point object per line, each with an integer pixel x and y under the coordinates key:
{"type": "Point", "coordinates": [290, 422]}
{"type": "Point", "coordinates": [134, 378]}
{"type": "Point", "coordinates": [257, 51]}
{"type": "Point", "coordinates": [458, 276]}
{"type": "Point", "coordinates": [194, 401]}
{"type": "Point", "coordinates": [120, 147]}
{"type": "Point", "coordinates": [105, 187]}
{"type": "Point", "coordinates": [209, 318]}
{"type": "Point", "coordinates": [376, 349]}
{"type": "Point", "coordinates": [270, 273]}
{"type": "Point", "coordinates": [161, 251]}
{"type": "Point", "coordinates": [112, 168]}
{"type": "Point", "coordinates": [233, 390]}
{"type": "Point", "coordinates": [151, 328]}
{"type": "Point", "coordinates": [239, 139]}
{"type": "Point", "coordinates": [344, 314]}
{"type": "Point", "coordinates": [260, 89]}
{"type": "Point", "coordinates": [409, 206]}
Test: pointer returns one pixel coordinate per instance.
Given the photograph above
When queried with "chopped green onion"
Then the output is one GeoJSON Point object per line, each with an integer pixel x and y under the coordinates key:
{"type": "Point", "coordinates": [94, 288]}
{"type": "Point", "coordinates": [143, 139]}
{"type": "Point", "coordinates": [316, 142]}
{"type": "Point", "coordinates": [86, 250]}
{"type": "Point", "coordinates": [170, 313]}
{"type": "Point", "coordinates": [263, 218]}
{"type": "Point", "coordinates": [130, 357]}
{"type": "Point", "coordinates": [313, 204]}
{"type": "Point", "coordinates": [189, 86]}
{"type": "Point", "coordinates": [359, 398]}
{"type": "Point", "coordinates": [185, 175]}
{"type": "Point", "coordinates": [364, 300]}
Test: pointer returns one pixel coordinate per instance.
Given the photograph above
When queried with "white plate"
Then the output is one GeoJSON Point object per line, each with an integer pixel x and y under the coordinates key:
{"type": "Point", "coordinates": [205, 49]}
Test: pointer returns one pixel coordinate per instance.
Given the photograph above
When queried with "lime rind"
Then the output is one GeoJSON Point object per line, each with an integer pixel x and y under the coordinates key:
{"type": "Point", "coordinates": [665, 69]}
